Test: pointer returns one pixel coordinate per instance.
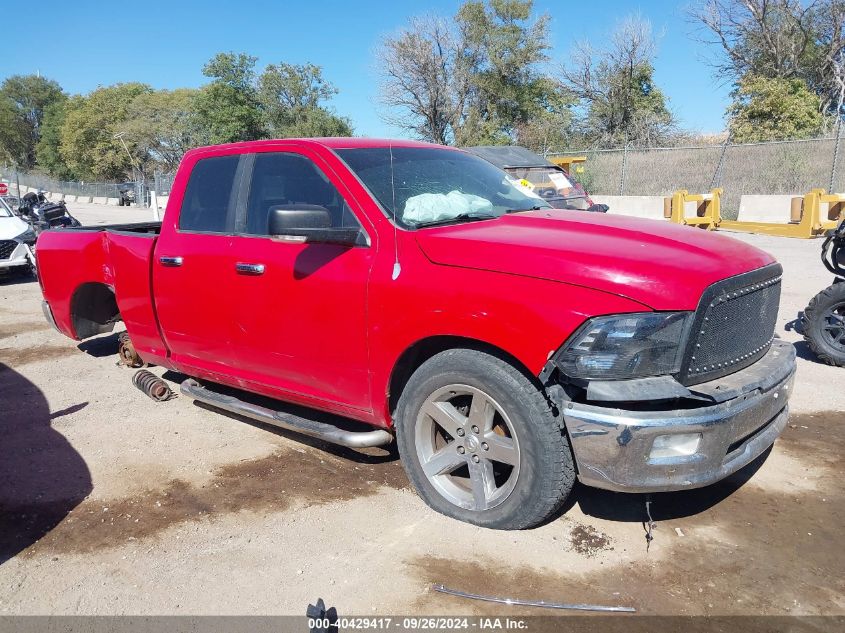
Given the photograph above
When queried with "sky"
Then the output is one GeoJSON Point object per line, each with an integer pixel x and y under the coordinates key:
{"type": "Point", "coordinates": [166, 44]}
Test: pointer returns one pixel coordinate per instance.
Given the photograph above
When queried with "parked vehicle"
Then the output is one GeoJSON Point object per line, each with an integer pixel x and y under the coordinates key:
{"type": "Point", "coordinates": [552, 182]}
{"type": "Point", "coordinates": [42, 214]}
{"type": "Point", "coordinates": [125, 194]}
{"type": "Point", "coordinates": [13, 202]}
{"type": "Point", "coordinates": [509, 347]}
{"type": "Point", "coordinates": [17, 242]}
{"type": "Point", "coordinates": [823, 322]}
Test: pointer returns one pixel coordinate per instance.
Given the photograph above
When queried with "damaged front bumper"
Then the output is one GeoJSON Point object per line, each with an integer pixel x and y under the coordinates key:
{"type": "Point", "coordinates": [738, 418]}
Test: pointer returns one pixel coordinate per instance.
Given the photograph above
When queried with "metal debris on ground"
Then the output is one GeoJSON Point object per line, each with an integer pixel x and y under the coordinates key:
{"type": "Point", "coordinates": [648, 526]}
{"type": "Point", "coordinates": [532, 603]}
{"type": "Point", "coordinates": [152, 385]}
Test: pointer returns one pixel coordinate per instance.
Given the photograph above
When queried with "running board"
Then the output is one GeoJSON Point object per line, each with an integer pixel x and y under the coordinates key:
{"type": "Point", "coordinates": [311, 428]}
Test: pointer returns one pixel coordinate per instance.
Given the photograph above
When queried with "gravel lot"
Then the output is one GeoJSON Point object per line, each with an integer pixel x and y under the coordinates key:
{"type": "Point", "coordinates": [113, 504]}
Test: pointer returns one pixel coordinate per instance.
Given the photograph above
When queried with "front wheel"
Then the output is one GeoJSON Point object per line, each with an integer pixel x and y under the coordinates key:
{"type": "Point", "coordinates": [481, 444]}
{"type": "Point", "coordinates": [824, 325]}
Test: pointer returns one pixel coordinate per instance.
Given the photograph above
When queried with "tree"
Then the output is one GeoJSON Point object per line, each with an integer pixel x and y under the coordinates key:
{"type": "Point", "coordinates": [88, 144]}
{"type": "Point", "coordinates": [14, 136]}
{"type": "Point", "coordinates": [779, 39]}
{"type": "Point", "coordinates": [503, 48]}
{"type": "Point", "coordinates": [228, 108]}
{"type": "Point", "coordinates": [161, 126]}
{"type": "Point", "coordinates": [774, 109]}
{"type": "Point", "coordinates": [473, 79]}
{"type": "Point", "coordinates": [48, 150]}
{"type": "Point", "coordinates": [291, 98]}
{"type": "Point", "coordinates": [425, 80]}
{"type": "Point", "coordinates": [616, 90]}
{"type": "Point", "coordinates": [23, 99]}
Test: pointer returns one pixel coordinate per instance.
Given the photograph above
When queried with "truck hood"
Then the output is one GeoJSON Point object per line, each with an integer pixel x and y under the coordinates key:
{"type": "Point", "coordinates": [658, 264]}
{"type": "Point", "coordinates": [11, 227]}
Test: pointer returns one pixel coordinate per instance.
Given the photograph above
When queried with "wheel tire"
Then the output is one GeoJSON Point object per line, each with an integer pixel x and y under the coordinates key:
{"type": "Point", "coordinates": [825, 343]}
{"type": "Point", "coordinates": [546, 470]}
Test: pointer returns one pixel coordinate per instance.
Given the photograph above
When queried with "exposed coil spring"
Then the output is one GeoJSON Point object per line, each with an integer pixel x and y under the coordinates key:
{"type": "Point", "coordinates": [152, 385]}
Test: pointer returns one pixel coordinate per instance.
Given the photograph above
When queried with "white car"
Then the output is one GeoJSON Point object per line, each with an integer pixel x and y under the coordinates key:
{"type": "Point", "coordinates": [17, 241]}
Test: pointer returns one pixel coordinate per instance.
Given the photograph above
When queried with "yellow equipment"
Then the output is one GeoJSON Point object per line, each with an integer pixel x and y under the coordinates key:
{"type": "Point", "coordinates": [805, 218]}
{"type": "Point", "coordinates": [708, 210]}
{"type": "Point", "coordinates": [567, 162]}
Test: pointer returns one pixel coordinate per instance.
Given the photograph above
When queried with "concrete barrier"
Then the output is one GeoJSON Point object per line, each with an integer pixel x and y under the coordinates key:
{"type": "Point", "coordinates": [83, 199]}
{"type": "Point", "coordinates": [650, 207]}
{"type": "Point", "coordinates": [113, 201]}
{"type": "Point", "coordinates": [769, 208]}
{"type": "Point", "coordinates": [99, 200]}
{"type": "Point", "coordinates": [70, 198]}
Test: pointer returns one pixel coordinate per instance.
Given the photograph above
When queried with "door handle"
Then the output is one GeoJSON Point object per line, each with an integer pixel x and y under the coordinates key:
{"type": "Point", "coordinates": [249, 269]}
{"type": "Point", "coordinates": [172, 262]}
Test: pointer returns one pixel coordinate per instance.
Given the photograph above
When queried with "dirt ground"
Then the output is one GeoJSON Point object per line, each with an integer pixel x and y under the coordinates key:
{"type": "Point", "coordinates": [113, 504]}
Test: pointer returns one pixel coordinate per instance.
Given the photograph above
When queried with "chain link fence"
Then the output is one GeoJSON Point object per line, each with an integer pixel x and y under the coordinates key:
{"type": "Point", "coordinates": [779, 167]}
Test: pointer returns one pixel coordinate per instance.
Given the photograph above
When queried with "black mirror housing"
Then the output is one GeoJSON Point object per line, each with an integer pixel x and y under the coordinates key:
{"type": "Point", "coordinates": [310, 223]}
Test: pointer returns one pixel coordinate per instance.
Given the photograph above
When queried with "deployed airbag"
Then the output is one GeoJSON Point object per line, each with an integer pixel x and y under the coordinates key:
{"type": "Point", "coordinates": [429, 207]}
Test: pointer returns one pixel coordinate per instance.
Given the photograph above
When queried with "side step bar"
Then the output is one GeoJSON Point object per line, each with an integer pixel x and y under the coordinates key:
{"type": "Point", "coordinates": [311, 428]}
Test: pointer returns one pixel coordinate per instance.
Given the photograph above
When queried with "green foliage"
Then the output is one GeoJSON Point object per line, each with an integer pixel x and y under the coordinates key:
{"type": "Point", "coordinates": [474, 80]}
{"type": "Point", "coordinates": [14, 135]}
{"type": "Point", "coordinates": [161, 126]}
{"type": "Point", "coordinates": [614, 85]}
{"type": "Point", "coordinates": [47, 151]}
{"type": "Point", "coordinates": [633, 106]}
{"type": "Point", "coordinates": [227, 109]}
{"type": "Point", "coordinates": [291, 96]}
{"type": "Point", "coordinates": [23, 99]}
{"type": "Point", "coordinates": [88, 144]}
{"type": "Point", "coordinates": [76, 137]}
{"type": "Point", "coordinates": [504, 49]}
{"type": "Point", "coordinates": [774, 109]}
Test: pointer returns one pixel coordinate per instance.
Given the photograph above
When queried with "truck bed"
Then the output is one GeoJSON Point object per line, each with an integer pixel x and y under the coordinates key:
{"type": "Point", "coordinates": [152, 228]}
{"type": "Point", "coordinates": [90, 273]}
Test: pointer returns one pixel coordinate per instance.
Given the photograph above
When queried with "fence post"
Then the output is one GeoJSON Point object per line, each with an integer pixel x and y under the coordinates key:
{"type": "Point", "coordinates": [624, 166]}
{"type": "Point", "coordinates": [835, 154]}
{"type": "Point", "coordinates": [717, 175]}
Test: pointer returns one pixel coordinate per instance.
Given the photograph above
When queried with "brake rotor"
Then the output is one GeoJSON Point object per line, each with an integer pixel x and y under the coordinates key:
{"type": "Point", "coordinates": [126, 351]}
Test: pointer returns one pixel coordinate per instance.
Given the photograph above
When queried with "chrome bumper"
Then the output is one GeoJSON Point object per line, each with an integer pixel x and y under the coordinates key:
{"type": "Point", "coordinates": [48, 314]}
{"type": "Point", "coordinates": [612, 446]}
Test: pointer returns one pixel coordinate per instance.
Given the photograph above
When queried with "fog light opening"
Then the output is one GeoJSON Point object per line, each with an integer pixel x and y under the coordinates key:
{"type": "Point", "coordinates": [677, 445]}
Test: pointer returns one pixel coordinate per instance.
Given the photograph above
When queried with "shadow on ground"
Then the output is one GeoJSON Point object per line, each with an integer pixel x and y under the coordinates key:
{"type": "Point", "coordinates": [42, 477]}
{"type": "Point", "coordinates": [630, 507]}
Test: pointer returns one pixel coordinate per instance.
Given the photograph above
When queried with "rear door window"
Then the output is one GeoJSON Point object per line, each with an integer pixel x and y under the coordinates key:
{"type": "Point", "coordinates": [211, 196]}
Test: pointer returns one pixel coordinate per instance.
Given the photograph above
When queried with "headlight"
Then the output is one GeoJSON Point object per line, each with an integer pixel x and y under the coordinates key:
{"type": "Point", "coordinates": [27, 237]}
{"type": "Point", "coordinates": [626, 346]}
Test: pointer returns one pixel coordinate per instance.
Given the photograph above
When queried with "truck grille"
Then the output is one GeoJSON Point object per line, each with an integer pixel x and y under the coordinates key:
{"type": "Point", "coordinates": [6, 248]}
{"type": "Point", "coordinates": [734, 325]}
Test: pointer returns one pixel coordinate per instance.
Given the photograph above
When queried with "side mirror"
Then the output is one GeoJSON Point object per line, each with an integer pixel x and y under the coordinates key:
{"type": "Point", "coordinates": [598, 208]}
{"type": "Point", "coordinates": [310, 223]}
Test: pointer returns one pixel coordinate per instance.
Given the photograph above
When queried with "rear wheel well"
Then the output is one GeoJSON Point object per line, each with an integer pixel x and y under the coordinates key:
{"type": "Point", "coordinates": [93, 310]}
{"type": "Point", "coordinates": [424, 349]}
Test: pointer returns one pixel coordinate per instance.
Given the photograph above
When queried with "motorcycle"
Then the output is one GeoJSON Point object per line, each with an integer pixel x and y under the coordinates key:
{"type": "Point", "coordinates": [823, 322]}
{"type": "Point", "coordinates": [42, 214]}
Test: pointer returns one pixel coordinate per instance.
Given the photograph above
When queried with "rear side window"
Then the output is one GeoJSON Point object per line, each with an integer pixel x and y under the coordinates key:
{"type": "Point", "coordinates": [209, 203]}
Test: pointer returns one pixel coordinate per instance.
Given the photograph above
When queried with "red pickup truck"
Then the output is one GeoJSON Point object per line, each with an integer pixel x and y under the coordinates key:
{"type": "Point", "coordinates": [508, 347]}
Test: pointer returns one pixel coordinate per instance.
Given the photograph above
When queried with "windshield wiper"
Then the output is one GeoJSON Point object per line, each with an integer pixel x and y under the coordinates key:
{"type": "Point", "coordinates": [535, 208]}
{"type": "Point", "coordinates": [461, 217]}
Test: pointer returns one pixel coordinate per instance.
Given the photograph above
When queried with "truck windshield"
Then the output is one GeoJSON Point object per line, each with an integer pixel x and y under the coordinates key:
{"type": "Point", "coordinates": [5, 211]}
{"type": "Point", "coordinates": [424, 186]}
